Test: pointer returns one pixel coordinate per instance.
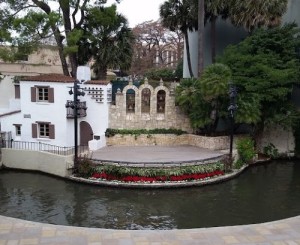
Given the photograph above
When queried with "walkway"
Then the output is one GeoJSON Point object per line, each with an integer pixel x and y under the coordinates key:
{"type": "Point", "coordinates": [15, 231]}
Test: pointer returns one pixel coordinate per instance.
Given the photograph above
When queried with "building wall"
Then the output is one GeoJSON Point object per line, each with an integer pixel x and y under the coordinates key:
{"type": "Point", "coordinates": [54, 113]}
{"type": "Point", "coordinates": [44, 60]}
{"type": "Point", "coordinates": [97, 112]}
{"type": "Point", "coordinates": [7, 92]}
{"type": "Point", "coordinates": [172, 118]}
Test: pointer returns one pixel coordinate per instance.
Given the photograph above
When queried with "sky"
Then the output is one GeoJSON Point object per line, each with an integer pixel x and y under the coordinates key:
{"type": "Point", "coordinates": [138, 11]}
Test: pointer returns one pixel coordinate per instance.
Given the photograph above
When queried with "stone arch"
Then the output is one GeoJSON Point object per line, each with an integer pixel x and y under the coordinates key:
{"type": "Point", "coordinates": [86, 133]}
{"type": "Point", "coordinates": [161, 98]}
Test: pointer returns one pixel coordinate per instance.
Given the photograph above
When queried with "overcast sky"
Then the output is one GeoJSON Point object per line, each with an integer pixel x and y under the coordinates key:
{"type": "Point", "coordinates": [138, 11]}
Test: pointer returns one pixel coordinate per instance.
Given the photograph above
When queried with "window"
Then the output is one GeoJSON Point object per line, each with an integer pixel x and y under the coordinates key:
{"type": "Point", "coordinates": [18, 129]}
{"type": "Point", "coordinates": [42, 94]}
{"type": "Point", "coordinates": [161, 101]}
{"type": "Point", "coordinates": [43, 130]}
{"type": "Point", "coordinates": [130, 101]}
{"type": "Point", "coordinates": [145, 103]}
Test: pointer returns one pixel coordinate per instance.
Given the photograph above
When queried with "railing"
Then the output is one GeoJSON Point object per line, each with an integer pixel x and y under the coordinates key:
{"type": "Point", "coordinates": [38, 146]}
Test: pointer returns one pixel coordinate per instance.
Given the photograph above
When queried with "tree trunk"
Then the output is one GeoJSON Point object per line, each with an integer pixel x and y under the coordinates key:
{"type": "Point", "coordinates": [213, 39]}
{"type": "Point", "coordinates": [100, 72]}
{"type": "Point", "coordinates": [200, 37]}
{"type": "Point", "coordinates": [188, 57]}
{"type": "Point", "coordinates": [60, 46]}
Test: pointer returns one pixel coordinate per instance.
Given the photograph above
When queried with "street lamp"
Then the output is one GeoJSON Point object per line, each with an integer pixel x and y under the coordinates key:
{"type": "Point", "coordinates": [75, 105]}
{"type": "Point", "coordinates": [232, 108]}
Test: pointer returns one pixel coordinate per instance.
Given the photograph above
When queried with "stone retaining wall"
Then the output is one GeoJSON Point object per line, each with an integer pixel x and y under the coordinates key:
{"type": "Point", "coordinates": [213, 143]}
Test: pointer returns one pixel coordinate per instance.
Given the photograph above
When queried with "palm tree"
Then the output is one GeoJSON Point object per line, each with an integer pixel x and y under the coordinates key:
{"type": "Point", "coordinates": [109, 45]}
{"type": "Point", "coordinates": [257, 13]}
{"type": "Point", "coordinates": [180, 14]}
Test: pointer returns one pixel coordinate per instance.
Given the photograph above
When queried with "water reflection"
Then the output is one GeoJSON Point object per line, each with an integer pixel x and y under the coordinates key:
{"type": "Point", "coordinates": [262, 193]}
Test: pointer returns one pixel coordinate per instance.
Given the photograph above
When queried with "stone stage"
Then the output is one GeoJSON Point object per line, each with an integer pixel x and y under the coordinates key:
{"type": "Point", "coordinates": [155, 154]}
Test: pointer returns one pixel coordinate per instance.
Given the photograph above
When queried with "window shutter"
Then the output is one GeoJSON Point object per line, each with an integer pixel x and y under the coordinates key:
{"type": "Point", "coordinates": [51, 131]}
{"type": "Point", "coordinates": [33, 94]}
{"type": "Point", "coordinates": [51, 95]}
{"type": "Point", "coordinates": [34, 130]}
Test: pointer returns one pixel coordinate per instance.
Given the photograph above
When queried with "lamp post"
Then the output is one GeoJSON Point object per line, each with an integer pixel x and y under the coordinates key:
{"type": "Point", "coordinates": [75, 105]}
{"type": "Point", "coordinates": [232, 108]}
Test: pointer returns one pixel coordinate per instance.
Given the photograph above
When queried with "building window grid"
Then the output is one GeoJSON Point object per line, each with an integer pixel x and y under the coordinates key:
{"type": "Point", "coordinates": [44, 130]}
{"type": "Point", "coordinates": [43, 94]}
{"type": "Point", "coordinates": [18, 130]}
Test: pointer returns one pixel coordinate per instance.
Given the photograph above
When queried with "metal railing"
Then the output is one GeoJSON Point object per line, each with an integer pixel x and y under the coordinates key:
{"type": "Point", "coordinates": [38, 146]}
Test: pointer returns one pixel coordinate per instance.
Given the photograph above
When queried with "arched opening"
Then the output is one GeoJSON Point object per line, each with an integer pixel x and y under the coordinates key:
{"type": "Point", "coordinates": [161, 101]}
{"type": "Point", "coordinates": [145, 102]}
{"type": "Point", "coordinates": [130, 101]}
{"type": "Point", "coordinates": [86, 133]}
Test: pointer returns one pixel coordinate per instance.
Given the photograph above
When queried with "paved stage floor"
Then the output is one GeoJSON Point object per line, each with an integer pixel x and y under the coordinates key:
{"type": "Point", "coordinates": [154, 154]}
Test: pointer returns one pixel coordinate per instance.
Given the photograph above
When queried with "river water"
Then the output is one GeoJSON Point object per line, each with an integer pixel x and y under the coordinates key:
{"type": "Point", "coordinates": [262, 193]}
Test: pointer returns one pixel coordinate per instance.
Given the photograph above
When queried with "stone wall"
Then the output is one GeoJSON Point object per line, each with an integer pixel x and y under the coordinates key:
{"type": "Point", "coordinates": [281, 138]}
{"type": "Point", "coordinates": [213, 143]}
{"type": "Point", "coordinates": [173, 117]}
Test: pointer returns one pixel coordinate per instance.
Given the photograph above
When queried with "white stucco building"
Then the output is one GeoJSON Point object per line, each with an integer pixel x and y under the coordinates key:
{"type": "Point", "coordinates": [41, 114]}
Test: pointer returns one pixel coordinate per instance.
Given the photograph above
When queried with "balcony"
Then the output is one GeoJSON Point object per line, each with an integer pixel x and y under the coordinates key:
{"type": "Point", "coordinates": [81, 109]}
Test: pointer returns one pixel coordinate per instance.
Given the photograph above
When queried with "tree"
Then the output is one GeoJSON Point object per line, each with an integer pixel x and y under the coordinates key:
{"type": "Point", "coordinates": [155, 47]}
{"type": "Point", "coordinates": [182, 15]}
{"type": "Point", "coordinates": [265, 66]}
{"type": "Point", "coordinates": [257, 13]}
{"type": "Point", "coordinates": [205, 99]}
{"type": "Point", "coordinates": [109, 45]}
{"type": "Point", "coordinates": [36, 20]}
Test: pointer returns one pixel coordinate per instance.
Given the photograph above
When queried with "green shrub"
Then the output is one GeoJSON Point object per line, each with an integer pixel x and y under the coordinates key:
{"type": "Point", "coordinates": [85, 167]}
{"type": "Point", "coordinates": [245, 148]}
{"type": "Point", "coordinates": [165, 74]}
{"type": "Point", "coordinates": [270, 150]}
{"type": "Point", "coordinates": [136, 132]}
{"type": "Point", "coordinates": [121, 171]}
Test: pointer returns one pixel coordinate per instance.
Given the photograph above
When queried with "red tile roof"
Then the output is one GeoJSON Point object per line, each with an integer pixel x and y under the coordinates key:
{"type": "Point", "coordinates": [97, 82]}
{"type": "Point", "coordinates": [58, 78]}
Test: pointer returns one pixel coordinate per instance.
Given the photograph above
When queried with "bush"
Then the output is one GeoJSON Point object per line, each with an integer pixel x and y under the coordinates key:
{"type": "Point", "coordinates": [270, 150]}
{"type": "Point", "coordinates": [165, 74]}
{"type": "Point", "coordinates": [245, 148]}
{"type": "Point", "coordinates": [110, 132]}
{"type": "Point", "coordinates": [85, 167]}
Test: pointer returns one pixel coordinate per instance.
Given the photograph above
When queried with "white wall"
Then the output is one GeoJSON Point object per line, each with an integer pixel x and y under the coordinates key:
{"type": "Point", "coordinates": [55, 113]}
{"type": "Point", "coordinates": [97, 113]}
{"type": "Point", "coordinates": [40, 161]}
{"type": "Point", "coordinates": [7, 91]}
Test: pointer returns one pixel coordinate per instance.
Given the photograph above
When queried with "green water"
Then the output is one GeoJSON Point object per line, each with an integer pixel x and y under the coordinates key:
{"type": "Point", "coordinates": [261, 193]}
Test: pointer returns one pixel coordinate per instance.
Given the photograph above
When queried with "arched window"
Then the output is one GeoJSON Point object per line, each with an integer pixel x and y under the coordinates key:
{"type": "Point", "coordinates": [145, 103]}
{"type": "Point", "coordinates": [130, 101]}
{"type": "Point", "coordinates": [161, 101]}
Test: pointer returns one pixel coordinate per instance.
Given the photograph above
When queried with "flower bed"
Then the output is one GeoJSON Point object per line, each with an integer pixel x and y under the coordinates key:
{"type": "Point", "coordinates": [183, 177]}
{"type": "Point", "coordinates": [89, 170]}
